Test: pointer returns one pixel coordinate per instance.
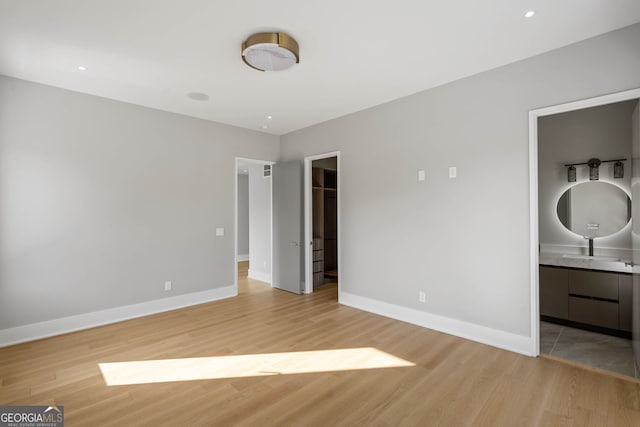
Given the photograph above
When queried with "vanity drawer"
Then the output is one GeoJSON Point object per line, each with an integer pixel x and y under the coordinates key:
{"type": "Point", "coordinates": [597, 284]}
{"type": "Point", "coordinates": [593, 312]}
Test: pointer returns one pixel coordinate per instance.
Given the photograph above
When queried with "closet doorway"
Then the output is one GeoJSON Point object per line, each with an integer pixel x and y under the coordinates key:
{"type": "Point", "coordinates": [322, 224]}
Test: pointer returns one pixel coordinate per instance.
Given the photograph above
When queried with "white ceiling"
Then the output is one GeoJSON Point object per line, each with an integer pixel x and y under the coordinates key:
{"type": "Point", "coordinates": [354, 53]}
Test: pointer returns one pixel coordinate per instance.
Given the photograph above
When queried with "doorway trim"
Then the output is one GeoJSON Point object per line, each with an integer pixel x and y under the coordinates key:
{"type": "Point", "coordinates": [308, 220]}
{"type": "Point", "coordinates": [533, 193]}
{"type": "Point", "coordinates": [237, 160]}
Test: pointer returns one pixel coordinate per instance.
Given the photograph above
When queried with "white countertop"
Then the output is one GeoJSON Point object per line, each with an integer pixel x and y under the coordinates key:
{"type": "Point", "coordinates": [589, 263]}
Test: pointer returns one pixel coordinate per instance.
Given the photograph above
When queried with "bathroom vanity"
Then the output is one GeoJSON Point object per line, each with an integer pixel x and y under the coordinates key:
{"type": "Point", "coordinates": [583, 290]}
{"type": "Point", "coordinates": [587, 298]}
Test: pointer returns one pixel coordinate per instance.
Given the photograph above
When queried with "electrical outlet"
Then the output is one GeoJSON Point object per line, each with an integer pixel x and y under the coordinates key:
{"type": "Point", "coordinates": [453, 172]}
{"type": "Point", "coordinates": [421, 176]}
{"type": "Point", "coordinates": [264, 265]}
{"type": "Point", "coordinates": [167, 285]}
{"type": "Point", "coordinates": [422, 296]}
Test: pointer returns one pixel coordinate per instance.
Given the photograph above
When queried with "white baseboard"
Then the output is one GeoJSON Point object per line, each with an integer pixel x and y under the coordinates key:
{"type": "Point", "coordinates": [78, 322]}
{"type": "Point", "coordinates": [244, 257]}
{"type": "Point", "coordinates": [259, 275]}
{"type": "Point", "coordinates": [493, 337]}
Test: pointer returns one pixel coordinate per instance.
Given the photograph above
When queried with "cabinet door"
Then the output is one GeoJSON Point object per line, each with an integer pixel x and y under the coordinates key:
{"type": "Point", "coordinates": [626, 295]}
{"type": "Point", "coordinates": [594, 312]}
{"type": "Point", "coordinates": [554, 292]}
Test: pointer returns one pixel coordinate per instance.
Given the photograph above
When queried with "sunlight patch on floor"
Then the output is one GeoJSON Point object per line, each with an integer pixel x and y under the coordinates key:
{"type": "Point", "coordinates": [247, 365]}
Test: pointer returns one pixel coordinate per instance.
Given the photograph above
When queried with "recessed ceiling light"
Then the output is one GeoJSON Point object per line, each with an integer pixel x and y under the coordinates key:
{"type": "Point", "coordinates": [82, 68]}
{"type": "Point", "coordinates": [269, 117]}
{"type": "Point", "coordinates": [265, 127]}
{"type": "Point", "coordinates": [529, 14]}
{"type": "Point", "coordinates": [198, 96]}
{"type": "Point", "coordinates": [244, 171]}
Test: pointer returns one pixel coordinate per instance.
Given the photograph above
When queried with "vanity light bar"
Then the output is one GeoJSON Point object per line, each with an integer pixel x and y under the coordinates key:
{"type": "Point", "coordinates": [594, 171]}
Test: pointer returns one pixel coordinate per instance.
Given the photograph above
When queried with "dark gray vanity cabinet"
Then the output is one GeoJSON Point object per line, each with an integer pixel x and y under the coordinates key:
{"type": "Point", "coordinates": [625, 298]}
{"type": "Point", "coordinates": [554, 292]}
{"type": "Point", "coordinates": [588, 297]}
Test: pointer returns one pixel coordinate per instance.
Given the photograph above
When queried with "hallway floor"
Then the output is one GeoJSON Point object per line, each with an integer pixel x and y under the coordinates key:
{"type": "Point", "coordinates": [590, 348]}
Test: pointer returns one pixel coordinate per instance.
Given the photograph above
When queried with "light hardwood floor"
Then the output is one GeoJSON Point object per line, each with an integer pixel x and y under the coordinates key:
{"type": "Point", "coordinates": [454, 382]}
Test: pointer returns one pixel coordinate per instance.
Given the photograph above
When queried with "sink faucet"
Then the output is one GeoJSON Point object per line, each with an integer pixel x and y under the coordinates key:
{"type": "Point", "coordinates": [590, 245]}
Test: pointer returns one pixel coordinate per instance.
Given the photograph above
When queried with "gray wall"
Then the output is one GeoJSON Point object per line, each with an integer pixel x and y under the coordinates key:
{"type": "Point", "coordinates": [243, 214]}
{"type": "Point", "coordinates": [259, 224]}
{"type": "Point", "coordinates": [603, 132]}
{"type": "Point", "coordinates": [465, 241]}
{"type": "Point", "coordinates": [102, 201]}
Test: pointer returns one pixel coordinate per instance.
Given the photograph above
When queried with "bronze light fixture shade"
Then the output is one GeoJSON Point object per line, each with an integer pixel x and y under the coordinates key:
{"type": "Point", "coordinates": [594, 169]}
{"type": "Point", "coordinates": [270, 51]}
{"type": "Point", "coordinates": [618, 170]}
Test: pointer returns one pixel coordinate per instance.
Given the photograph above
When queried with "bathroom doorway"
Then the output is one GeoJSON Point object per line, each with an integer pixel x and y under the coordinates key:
{"type": "Point", "coordinates": [584, 243]}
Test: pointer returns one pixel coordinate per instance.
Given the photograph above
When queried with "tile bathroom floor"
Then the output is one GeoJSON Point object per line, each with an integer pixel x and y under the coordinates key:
{"type": "Point", "coordinates": [590, 348]}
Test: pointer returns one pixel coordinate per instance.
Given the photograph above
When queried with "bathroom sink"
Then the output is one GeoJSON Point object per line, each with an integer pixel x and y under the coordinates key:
{"type": "Point", "coordinates": [604, 263]}
{"type": "Point", "coordinates": [593, 258]}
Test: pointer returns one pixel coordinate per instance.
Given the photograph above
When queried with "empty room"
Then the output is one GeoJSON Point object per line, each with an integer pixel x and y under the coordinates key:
{"type": "Point", "coordinates": [409, 213]}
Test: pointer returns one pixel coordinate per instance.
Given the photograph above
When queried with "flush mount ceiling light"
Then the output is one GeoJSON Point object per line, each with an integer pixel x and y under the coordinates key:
{"type": "Point", "coordinates": [270, 51]}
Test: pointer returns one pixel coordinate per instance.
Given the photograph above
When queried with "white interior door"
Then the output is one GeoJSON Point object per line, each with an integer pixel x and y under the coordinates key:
{"type": "Point", "coordinates": [635, 227]}
{"type": "Point", "coordinates": [287, 191]}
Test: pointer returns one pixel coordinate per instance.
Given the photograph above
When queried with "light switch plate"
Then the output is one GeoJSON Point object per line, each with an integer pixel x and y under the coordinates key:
{"type": "Point", "coordinates": [220, 231]}
{"type": "Point", "coordinates": [453, 172]}
{"type": "Point", "coordinates": [422, 296]}
{"type": "Point", "coordinates": [421, 175]}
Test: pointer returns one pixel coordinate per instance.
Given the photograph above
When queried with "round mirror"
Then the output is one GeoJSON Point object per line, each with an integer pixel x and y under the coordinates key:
{"type": "Point", "coordinates": [594, 209]}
